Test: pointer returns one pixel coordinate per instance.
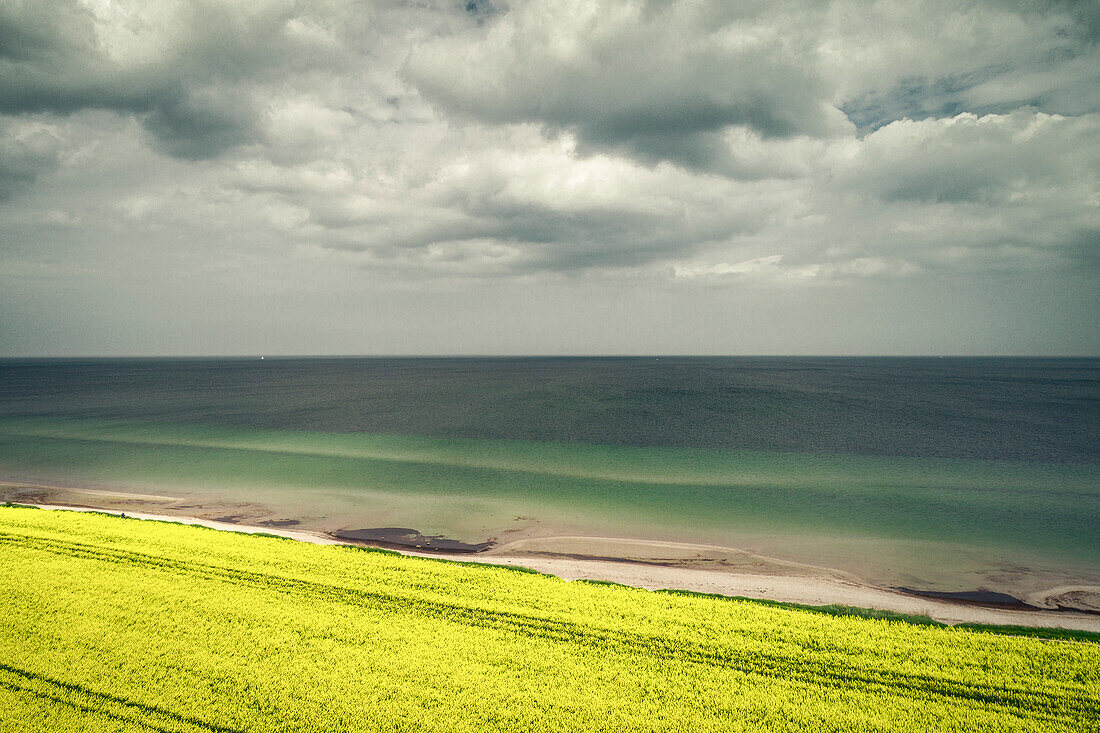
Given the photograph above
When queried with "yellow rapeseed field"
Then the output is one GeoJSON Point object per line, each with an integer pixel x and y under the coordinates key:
{"type": "Point", "coordinates": [116, 624]}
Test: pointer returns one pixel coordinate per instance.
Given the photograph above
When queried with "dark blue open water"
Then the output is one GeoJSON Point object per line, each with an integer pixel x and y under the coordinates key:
{"type": "Point", "coordinates": [1045, 410]}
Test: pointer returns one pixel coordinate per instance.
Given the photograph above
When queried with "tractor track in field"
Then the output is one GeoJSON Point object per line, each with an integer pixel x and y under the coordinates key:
{"type": "Point", "coordinates": [824, 671]}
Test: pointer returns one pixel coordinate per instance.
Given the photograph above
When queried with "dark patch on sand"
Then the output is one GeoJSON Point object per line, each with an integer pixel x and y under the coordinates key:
{"type": "Point", "coordinates": [973, 597]}
{"type": "Point", "coordinates": [31, 497]}
{"type": "Point", "coordinates": [279, 523]}
{"type": "Point", "coordinates": [403, 538]}
{"type": "Point", "coordinates": [32, 494]}
{"type": "Point", "coordinates": [686, 563]}
{"type": "Point", "coordinates": [228, 519]}
{"type": "Point", "coordinates": [1080, 601]}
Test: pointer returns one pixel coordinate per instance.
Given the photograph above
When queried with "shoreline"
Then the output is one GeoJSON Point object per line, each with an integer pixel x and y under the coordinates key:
{"type": "Point", "coordinates": [789, 582]}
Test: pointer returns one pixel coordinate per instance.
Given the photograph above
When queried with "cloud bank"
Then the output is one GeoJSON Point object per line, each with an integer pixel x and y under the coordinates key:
{"type": "Point", "coordinates": [343, 159]}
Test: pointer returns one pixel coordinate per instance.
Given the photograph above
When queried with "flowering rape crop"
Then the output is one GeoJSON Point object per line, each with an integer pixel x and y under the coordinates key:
{"type": "Point", "coordinates": [116, 624]}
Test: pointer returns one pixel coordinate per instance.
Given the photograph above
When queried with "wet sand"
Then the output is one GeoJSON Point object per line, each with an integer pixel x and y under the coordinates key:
{"type": "Point", "coordinates": [650, 564]}
{"type": "Point", "coordinates": [403, 538]}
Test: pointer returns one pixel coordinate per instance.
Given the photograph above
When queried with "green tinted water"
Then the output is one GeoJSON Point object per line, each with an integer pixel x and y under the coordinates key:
{"type": "Point", "coordinates": [467, 488]}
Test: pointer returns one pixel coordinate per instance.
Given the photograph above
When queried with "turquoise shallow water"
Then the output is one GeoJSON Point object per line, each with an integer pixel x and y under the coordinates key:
{"type": "Point", "coordinates": [466, 488]}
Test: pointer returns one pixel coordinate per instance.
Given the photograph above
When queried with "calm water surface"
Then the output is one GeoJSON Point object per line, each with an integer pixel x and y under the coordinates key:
{"type": "Point", "coordinates": [911, 463]}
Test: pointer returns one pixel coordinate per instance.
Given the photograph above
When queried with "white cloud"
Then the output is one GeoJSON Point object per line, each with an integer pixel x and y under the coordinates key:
{"type": "Point", "coordinates": [967, 158]}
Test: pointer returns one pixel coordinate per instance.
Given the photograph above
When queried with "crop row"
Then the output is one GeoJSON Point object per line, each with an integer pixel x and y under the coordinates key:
{"type": "Point", "coordinates": [157, 626]}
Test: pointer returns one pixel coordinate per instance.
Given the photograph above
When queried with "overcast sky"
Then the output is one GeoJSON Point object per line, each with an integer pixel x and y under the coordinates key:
{"type": "Point", "coordinates": [496, 177]}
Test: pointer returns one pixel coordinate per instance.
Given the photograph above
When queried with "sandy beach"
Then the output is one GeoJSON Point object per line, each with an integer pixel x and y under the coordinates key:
{"type": "Point", "coordinates": [641, 563]}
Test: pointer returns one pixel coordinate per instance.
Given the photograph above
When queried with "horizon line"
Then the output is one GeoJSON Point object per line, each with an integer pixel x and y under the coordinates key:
{"type": "Point", "coordinates": [258, 356]}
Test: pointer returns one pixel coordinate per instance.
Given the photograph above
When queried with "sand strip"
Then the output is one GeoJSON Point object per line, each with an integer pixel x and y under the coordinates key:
{"type": "Point", "coordinates": [800, 588]}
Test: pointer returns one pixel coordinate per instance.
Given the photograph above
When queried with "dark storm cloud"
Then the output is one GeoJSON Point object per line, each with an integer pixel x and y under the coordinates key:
{"type": "Point", "coordinates": [41, 32]}
{"type": "Point", "coordinates": [201, 126]}
{"type": "Point", "coordinates": [190, 81]}
{"type": "Point", "coordinates": [667, 81]}
{"type": "Point", "coordinates": [580, 239]}
{"type": "Point", "coordinates": [652, 82]}
{"type": "Point", "coordinates": [49, 62]}
{"type": "Point", "coordinates": [538, 237]}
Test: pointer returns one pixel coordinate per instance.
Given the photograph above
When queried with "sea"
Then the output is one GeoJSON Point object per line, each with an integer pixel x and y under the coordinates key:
{"type": "Point", "coordinates": [946, 473]}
